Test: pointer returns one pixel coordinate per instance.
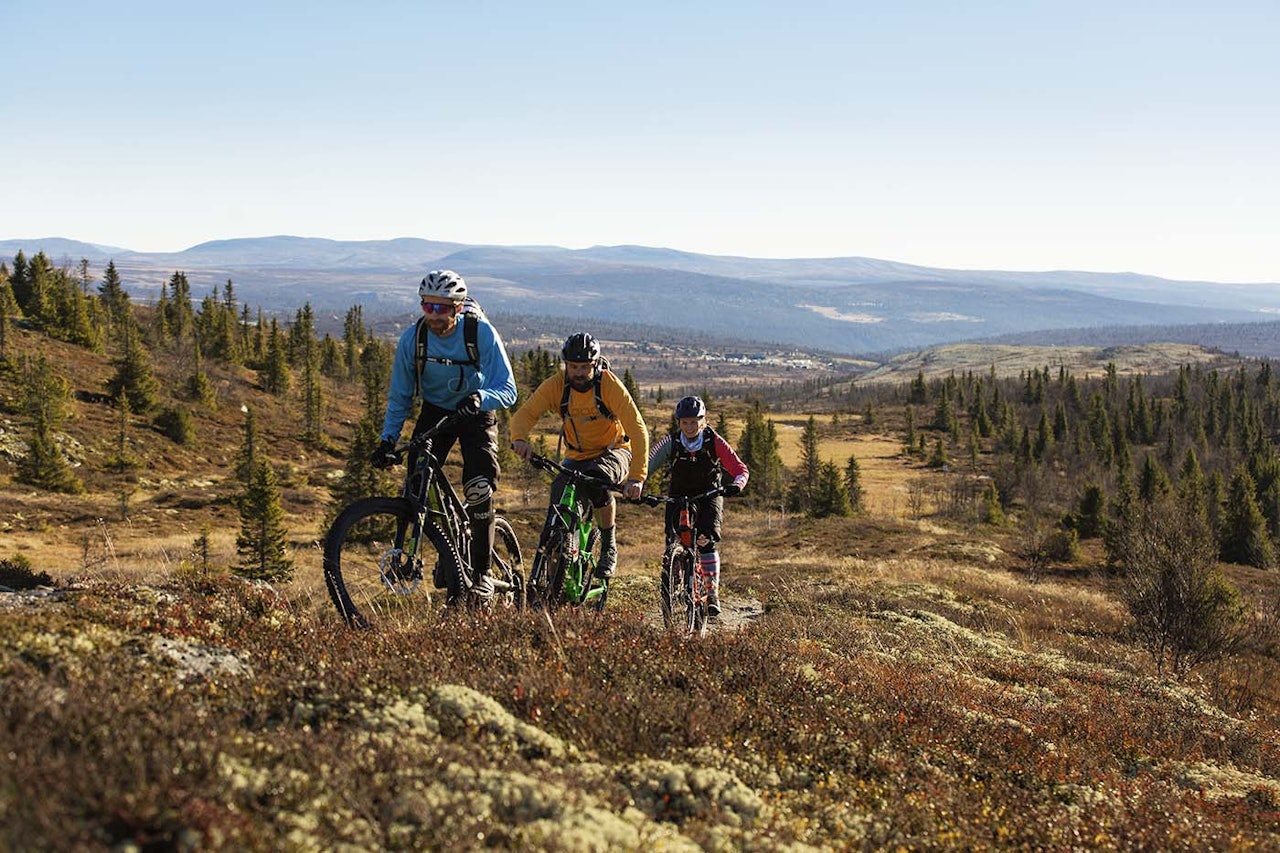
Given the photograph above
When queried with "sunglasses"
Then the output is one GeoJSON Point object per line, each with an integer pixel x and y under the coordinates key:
{"type": "Point", "coordinates": [438, 307]}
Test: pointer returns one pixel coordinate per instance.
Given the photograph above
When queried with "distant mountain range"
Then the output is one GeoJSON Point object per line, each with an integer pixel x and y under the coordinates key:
{"type": "Point", "coordinates": [849, 305]}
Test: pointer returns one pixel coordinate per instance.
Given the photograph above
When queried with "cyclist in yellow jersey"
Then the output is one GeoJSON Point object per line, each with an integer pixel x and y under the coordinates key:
{"type": "Point", "coordinates": [602, 429]}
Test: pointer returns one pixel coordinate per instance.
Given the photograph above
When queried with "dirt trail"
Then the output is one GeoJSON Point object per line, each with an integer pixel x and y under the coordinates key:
{"type": "Point", "coordinates": [735, 613]}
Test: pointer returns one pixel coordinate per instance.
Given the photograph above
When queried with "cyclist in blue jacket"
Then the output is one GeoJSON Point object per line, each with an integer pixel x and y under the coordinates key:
{"type": "Point", "coordinates": [454, 359]}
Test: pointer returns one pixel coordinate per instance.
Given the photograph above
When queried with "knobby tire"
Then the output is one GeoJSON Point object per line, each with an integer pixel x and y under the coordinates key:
{"type": "Point", "coordinates": [679, 606]}
{"type": "Point", "coordinates": [365, 534]}
{"type": "Point", "coordinates": [508, 565]}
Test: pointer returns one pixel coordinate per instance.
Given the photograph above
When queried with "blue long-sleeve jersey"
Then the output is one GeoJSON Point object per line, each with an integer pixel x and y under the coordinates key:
{"type": "Point", "coordinates": [444, 385]}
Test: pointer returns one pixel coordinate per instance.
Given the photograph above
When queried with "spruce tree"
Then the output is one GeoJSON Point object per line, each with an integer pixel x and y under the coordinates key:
{"type": "Point", "coordinates": [1089, 517]}
{"type": "Point", "coordinates": [275, 375]}
{"type": "Point", "coordinates": [354, 335]}
{"type": "Point", "coordinates": [114, 298]}
{"type": "Point", "coordinates": [375, 376]}
{"type": "Point", "coordinates": [359, 477]}
{"type": "Point", "coordinates": [943, 414]}
{"type": "Point", "coordinates": [629, 382]}
{"type": "Point", "coordinates": [133, 375]}
{"type": "Point", "coordinates": [991, 512]}
{"type": "Point", "coordinates": [1244, 537]}
{"type": "Point", "coordinates": [939, 458]}
{"type": "Point", "coordinates": [46, 399]}
{"type": "Point", "coordinates": [199, 387]}
{"type": "Point", "coordinates": [1153, 483]}
{"type": "Point", "coordinates": [853, 483]}
{"type": "Point", "coordinates": [1193, 488]}
{"type": "Point", "coordinates": [247, 455]}
{"type": "Point", "coordinates": [805, 484]}
{"type": "Point", "coordinates": [8, 310]}
{"type": "Point", "coordinates": [20, 281]}
{"type": "Point", "coordinates": [312, 397]}
{"type": "Point", "coordinates": [261, 543]}
{"type": "Point", "coordinates": [830, 498]}
{"type": "Point", "coordinates": [1044, 437]}
{"type": "Point", "coordinates": [179, 315]}
{"type": "Point", "coordinates": [759, 450]}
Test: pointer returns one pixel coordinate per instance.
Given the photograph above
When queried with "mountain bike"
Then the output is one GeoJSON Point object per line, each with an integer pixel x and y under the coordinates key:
{"type": "Point", "coordinates": [563, 570]}
{"type": "Point", "coordinates": [374, 552]}
{"type": "Point", "coordinates": [684, 589]}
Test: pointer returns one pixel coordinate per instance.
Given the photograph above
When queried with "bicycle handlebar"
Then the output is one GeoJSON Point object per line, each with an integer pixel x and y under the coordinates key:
{"type": "Point", "coordinates": [420, 440]}
{"type": "Point", "coordinates": [552, 466]}
{"type": "Point", "coordinates": [658, 500]}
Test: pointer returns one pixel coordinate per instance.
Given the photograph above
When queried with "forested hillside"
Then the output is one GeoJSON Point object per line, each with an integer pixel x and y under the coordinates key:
{"type": "Point", "coordinates": [971, 610]}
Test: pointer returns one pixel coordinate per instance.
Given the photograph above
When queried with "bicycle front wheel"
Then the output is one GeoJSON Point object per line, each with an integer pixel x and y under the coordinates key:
{"type": "Point", "coordinates": [697, 599]}
{"type": "Point", "coordinates": [678, 611]}
{"type": "Point", "coordinates": [543, 591]}
{"type": "Point", "coordinates": [371, 562]}
{"type": "Point", "coordinates": [507, 566]}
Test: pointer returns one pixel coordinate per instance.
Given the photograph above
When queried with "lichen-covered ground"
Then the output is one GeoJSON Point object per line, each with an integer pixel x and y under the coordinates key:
{"type": "Point", "coordinates": [873, 703]}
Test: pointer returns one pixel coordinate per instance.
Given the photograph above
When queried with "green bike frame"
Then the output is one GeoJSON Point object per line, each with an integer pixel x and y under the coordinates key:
{"type": "Point", "coordinates": [581, 561]}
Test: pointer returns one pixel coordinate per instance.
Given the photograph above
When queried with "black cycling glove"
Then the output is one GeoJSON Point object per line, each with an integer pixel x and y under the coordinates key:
{"type": "Point", "coordinates": [469, 405]}
{"type": "Point", "coordinates": [732, 490]}
{"type": "Point", "coordinates": [385, 455]}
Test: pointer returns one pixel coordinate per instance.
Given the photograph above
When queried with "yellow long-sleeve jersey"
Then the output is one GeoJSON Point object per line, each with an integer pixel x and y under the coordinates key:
{"type": "Point", "coordinates": [587, 432]}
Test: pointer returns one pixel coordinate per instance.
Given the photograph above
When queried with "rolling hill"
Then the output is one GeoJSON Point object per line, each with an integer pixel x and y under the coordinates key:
{"type": "Point", "coordinates": [844, 305]}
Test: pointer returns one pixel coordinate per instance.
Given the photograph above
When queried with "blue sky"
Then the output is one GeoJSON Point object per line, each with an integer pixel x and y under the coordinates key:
{"type": "Point", "coordinates": [1117, 136]}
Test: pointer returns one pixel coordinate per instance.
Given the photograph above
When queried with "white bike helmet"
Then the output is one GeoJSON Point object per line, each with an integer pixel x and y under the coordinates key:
{"type": "Point", "coordinates": [446, 284]}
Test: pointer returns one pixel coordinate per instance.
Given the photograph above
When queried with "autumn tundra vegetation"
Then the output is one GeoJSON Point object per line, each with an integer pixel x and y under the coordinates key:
{"type": "Point", "coordinates": [976, 609]}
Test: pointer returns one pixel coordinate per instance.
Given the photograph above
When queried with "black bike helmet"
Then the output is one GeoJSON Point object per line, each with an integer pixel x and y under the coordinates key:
{"type": "Point", "coordinates": [580, 346]}
{"type": "Point", "coordinates": [691, 407]}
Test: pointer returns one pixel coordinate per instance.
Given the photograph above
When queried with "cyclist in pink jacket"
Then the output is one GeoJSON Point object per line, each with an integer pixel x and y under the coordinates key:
{"type": "Point", "coordinates": [698, 458]}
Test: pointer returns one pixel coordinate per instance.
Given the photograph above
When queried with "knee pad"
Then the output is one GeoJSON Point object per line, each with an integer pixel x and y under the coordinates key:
{"type": "Point", "coordinates": [477, 490]}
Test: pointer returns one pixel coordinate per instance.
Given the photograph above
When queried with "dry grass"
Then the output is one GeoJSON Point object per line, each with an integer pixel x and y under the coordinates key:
{"type": "Point", "coordinates": [888, 698]}
{"type": "Point", "coordinates": [907, 687]}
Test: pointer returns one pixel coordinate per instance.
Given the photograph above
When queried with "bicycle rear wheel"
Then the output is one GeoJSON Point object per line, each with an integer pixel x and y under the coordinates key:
{"type": "Point", "coordinates": [371, 562]}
